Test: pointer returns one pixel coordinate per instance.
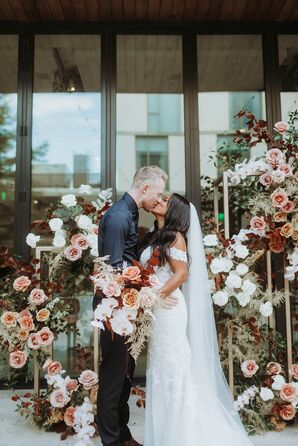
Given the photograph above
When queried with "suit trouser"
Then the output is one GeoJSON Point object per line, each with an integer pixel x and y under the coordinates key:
{"type": "Point", "coordinates": [115, 380]}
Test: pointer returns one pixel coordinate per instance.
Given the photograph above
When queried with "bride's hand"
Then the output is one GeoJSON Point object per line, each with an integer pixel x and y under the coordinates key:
{"type": "Point", "coordinates": [169, 302]}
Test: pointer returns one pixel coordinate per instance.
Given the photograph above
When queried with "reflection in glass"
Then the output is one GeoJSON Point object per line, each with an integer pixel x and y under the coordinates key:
{"type": "Point", "coordinates": [288, 68]}
{"type": "Point", "coordinates": [8, 112]}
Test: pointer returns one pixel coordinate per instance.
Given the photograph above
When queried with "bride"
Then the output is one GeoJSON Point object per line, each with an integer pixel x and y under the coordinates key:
{"type": "Point", "coordinates": [188, 400]}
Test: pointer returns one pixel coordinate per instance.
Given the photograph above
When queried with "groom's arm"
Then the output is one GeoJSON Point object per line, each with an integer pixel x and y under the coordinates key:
{"type": "Point", "coordinates": [116, 230]}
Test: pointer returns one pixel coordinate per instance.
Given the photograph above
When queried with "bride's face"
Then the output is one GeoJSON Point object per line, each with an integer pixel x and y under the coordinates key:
{"type": "Point", "coordinates": [160, 209]}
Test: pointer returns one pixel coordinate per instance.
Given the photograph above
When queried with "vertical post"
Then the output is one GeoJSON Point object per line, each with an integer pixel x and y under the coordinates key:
{"type": "Point", "coordinates": [269, 285]}
{"type": "Point", "coordinates": [215, 204]}
{"type": "Point", "coordinates": [226, 204]}
{"type": "Point", "coordinates": [36, 374]}
{"type": "Point", "coordinates": [230, 358]}
{"type": "Point", "coordinates": [96, 349]}
{"type": "Point", "coordinates": [288, 327]}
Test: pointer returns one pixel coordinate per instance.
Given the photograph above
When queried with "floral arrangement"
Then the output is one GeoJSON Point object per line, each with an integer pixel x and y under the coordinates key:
{"type": "Point", "coordinates": [274, 402]}
{"type": "Point", "coordinates": [68, 406]}
{"type": "Point", "coordinates": [73, 226]}
{"type": "Point", "coordinates": [128, 297]}
{"type": "Point", "coordinates": [30, 317]}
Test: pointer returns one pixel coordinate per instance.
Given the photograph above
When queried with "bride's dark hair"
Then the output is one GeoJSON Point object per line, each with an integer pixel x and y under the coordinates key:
{"type": "Point", "coordinates": [177, 219]}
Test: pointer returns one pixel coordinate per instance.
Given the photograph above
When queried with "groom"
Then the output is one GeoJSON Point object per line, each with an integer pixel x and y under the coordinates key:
{"type": "Point", "coordinates": [118, 238]}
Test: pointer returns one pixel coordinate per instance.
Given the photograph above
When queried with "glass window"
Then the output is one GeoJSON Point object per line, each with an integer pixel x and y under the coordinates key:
{"type": "Point", "coordinates": [288, 69]}
{"type": "Point", "coordinates": [66, 146]}
{"type": "Point", "coordinates": [8, 115]}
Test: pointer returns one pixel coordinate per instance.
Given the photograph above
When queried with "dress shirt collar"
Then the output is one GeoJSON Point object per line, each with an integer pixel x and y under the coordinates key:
{"type": "Point", "coordinates": [132, 205]}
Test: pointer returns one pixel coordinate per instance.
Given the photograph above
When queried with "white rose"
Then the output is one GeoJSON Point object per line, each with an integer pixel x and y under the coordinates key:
{"type": "Point", "coordinates": [220, 298]}
{"type": "Point", "coordinates": [92, 239]}
{"type": "Point", "coordinates": [69, 200]}
{"type": "Point", "coordinates": [266, 309]}
{"type": "Point", "coordinates": [105, 195]}
{"type": "Point", "coordinates": [278, 176]}
{"type": "Point", "coordinates": [85, 189]}
{"type": "Point", "coordinates": [266, 394]}
{"type": "Point", "coordinates": [278, 382]}
{"type": "Point", "coordinates": [210, 240]}
{"type": "Point", "coordinates": [242, 269]}
{"type": "Point", "coordinates": [55, 224]}
{"type": "Point", "coordinates": [233, 281]}
{"type": "Point", "coordinates": [241, 251]}
{"type": "Point", "coordinates": [84, 222]}
{"type": "Point", "coordinates": [249, 287]}
{"type": "Point", "coordinates": [32, 239]}
{"type": "Point", "coordinates": [234, 179]}
{"type": "Point", "coordinates": [59, 239]}
{"type": "Point", "coordinates": [221, 264]}
{"type": "Point", "coordinates": [243, 299]}
{"type": "Point", "coordinates": [228, 264]}
{"type": "Point", "coordinates": [94, 251]}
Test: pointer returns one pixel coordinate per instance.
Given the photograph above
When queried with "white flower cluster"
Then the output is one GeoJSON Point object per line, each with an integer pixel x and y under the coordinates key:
{"type": "Point", "coordinates": [83, 419]}
{"type": "Point", "coordinates": [245, 169]}
{"type": "Point", "coordinates": [245, 398]}
{"type": "Point", "coordinates": [103, 196]}
{"type": "Point", "coordinates": [292, 269]}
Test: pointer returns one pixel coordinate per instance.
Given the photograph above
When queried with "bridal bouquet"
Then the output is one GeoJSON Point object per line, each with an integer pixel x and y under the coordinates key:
{"type": "Point", "coordinates": [129, 296]}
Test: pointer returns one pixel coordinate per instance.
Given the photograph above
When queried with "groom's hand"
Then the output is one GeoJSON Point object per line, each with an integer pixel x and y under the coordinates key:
{"type": "Point", "coordinates": [169, 302]}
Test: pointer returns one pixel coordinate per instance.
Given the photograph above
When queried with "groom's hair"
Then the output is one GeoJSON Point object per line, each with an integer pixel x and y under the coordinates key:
{"type": "Point", "coordinates": [149, 174]}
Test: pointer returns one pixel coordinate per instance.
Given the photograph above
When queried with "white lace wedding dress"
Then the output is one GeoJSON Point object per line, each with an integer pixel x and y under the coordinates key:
{"type": "Point", "coordinates": [177, 412]}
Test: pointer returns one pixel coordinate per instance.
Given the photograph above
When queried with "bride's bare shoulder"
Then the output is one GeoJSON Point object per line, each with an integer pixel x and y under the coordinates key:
{"type": "Point", "coordinates": [179, 242]}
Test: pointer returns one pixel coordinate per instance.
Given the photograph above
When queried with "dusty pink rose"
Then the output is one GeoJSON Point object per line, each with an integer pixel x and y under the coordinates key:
{"type": "Point", "coordinates": [273, 368]}
{"type": "Point", "coordinates": [59, 398]}
{"type": "Point", "coordinates": [73, 253]}
{"type": "Point", "coordinates": [286, 169]}
{"type": "Point", "coordinates": [112, 289]}
{"type": "Point", "coordinates": [279, 198]}
{"type": "Point", "coordinates": [72, 385]}
{"type": "Point", "coordinates": [23, 335]}
{"type": "Point", "coordinates": [275, 157]}
{"type": "Point", "coordinates": [9, 318]}
{"type": "Point", "coordinates": [88, 379]}
{"type": "Point", "coordinates": [281, 127]}
{"type": "Point", "coordinates": [37, 297]}
{"type": "Point", "coordinates": [69, 416]}
{"type": "Point", "coordinates": [80, 240]}
{"type": "Point", "coordinates": [21, 283]}
{"type": "Point", "coordinates": [132, 273]}
{"type": "Point", "coordinates": [147, 297]}
{"type": "Point", "coordinates": [33, 341]}
{"type": "Point", "coordinates": [25, 320]}
{"type": "Point", "coordinates": [294, 371]}
{"type": "Point", "coordinates": [54, 368]}
{"type": "Point", "coordinates": [47, 363]}
{"type": "Point", "coordinates": [17, 359]}
{"type": "Point", "coordinates": [288, 393]}
{"type": "Point", "coordinates": [266, 179]}
{"type": "Point", "coordinates": [287, 412]}
{"type": "Point", "coordinates": [289, 207]}
{"type": "Point", "coordinates": [249, 368]}
{"type": "Point", "coordinates": [154, 281]}
{"type": "Point", "coordinates": [258, 223]}
{"type": "Point", "coordinates": [46, 336]}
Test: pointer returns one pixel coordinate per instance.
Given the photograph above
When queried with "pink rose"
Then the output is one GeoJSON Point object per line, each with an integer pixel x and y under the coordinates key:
{"type": "Point", "coordinates": [288, 393]}
{"type": "Point", "coordinates": [21, 283]}
{"type": "Point", "coordinates": [258, 224]}
{"type": "Point", "coordinates": [59, 398]}
{"type": "Point", "coordinates": [37, 297]}
{"type": "Point", "coordinates": [47, 363]}
{"type": "Point", "coordinates": [88, 379]}
{"type": "Point", "coordinates": [294, 371]}
{"type": "Point", "coordinates": [80, 240]}
{"type": "Point", "coordinates": [25, 320]}
{"type": "Point", "coordinates": [33, 341]}
{"type": "Point", "coordinates": [132, 274]}
{"type": "Point", "coordinates": [287, 412]}
{"type": "Point", "coordinates": [72, 385]}
{"type": "Point", "coordinates": [279, 198]}
{"type": "Point", "coordinates": [289, 207]}
{"type": "Point", "coordinates": [274, 157]}
{"type": "Point", "coordinates": [281, 127]}
{"type": "Point", "coordinates": [154, 281]}
{"type": "Point", "coordinates": [112, 289]}
{"type": "Point", "coordinates": [46, 337]}
{"type": "Point", "coordinates": [286, 169]}
{"type": "Point", "coordinates": [249, 368]}
{"type": "Point", "coordinates": [17, 359]}
{"type": "Point", "coordinates": [54, 368]}
{"type": "Point", "coordinates": [73, 253]}
{"type": "Point", "coordinates": [266, 179]}
{"type": "Point", "coordinates": [9, 319]}
{"type": "Point", "coordinates": [69, 416]}
{"type": "Point", "coordinates": [273, 368]}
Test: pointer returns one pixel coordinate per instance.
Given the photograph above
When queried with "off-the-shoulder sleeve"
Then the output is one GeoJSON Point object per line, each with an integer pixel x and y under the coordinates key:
{"type": "Point", "coordinates": [178, 254]}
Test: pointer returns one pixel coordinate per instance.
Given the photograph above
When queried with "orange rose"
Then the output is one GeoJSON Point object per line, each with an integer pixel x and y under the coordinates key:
{"type": "Point", "coordinates": [69, 416]}
{"type": "Point", "coordinates": [287, 230]}
{"type": "Point", "coordinates": [21, 283]}
{"type": "Point", "coordinates": [280, 217]}
{"type": "Point", "coordinates": [132, 274]}
{"type": "Point", "coordinates": [130, 298]}
{"type": "Point", "coordinates": [287, 412]}
{"type": "Point", "coordinates": [23, 335]}
{"type": "Point", "coordinates": [42, 315]}
{"type": "Point", "coordinates": [9, 318]}
{"type": "Point", "coordinates": [25, 320]}
{"type": "Point", "coordinates": [295, 235]}
{"type": "Point", "coordinates": [288, 393]}
{"type": "Point", "coordinates": [294, 371]}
